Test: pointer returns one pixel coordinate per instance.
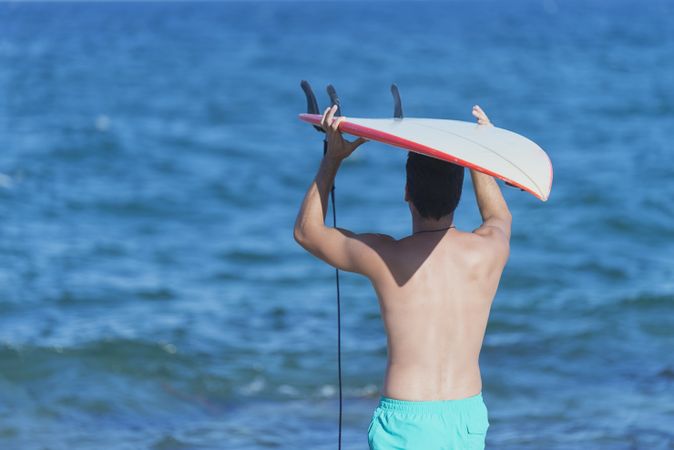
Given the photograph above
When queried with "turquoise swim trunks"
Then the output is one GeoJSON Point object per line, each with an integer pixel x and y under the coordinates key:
{"type": "Point", "coordinates": [433, 425]}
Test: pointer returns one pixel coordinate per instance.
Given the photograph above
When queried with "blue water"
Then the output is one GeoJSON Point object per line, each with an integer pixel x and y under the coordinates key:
{"type": "Point", "coordinates": [151, 166]}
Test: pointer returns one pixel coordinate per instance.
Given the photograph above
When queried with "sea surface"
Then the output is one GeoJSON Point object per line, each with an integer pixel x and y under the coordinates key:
{"type": "Point", "coordinates": [152, 164]}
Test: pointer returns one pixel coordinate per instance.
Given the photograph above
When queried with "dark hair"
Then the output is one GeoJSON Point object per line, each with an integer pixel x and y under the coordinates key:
{"type": "Point", "coordinates": [433, 185]}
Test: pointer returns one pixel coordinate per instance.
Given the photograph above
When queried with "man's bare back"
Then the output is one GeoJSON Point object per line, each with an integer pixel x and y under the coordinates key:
{"type": "Point", "coordinates": [435, 321]}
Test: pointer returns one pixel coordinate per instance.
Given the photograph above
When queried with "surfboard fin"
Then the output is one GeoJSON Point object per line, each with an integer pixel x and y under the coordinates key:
{"type": "Point", "coordinates": [312, 104]}
{"type": "Point", "coordinates": [397, 104]}
{"type": "Point", "coordinates": [334, 99]}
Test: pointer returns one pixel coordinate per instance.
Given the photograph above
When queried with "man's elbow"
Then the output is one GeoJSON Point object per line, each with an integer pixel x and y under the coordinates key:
{"type": "Point", "coordinates": [507, 221]}
{"type": "Point", "coordinates": [299, 235]}
{"type": "Point", "coordinates": [304, 236]}
{"type": "Point", "coordinates": [503, 215]}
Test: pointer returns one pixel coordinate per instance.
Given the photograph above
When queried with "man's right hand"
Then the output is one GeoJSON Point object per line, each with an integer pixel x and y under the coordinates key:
{"type": "Point", "coordinates": [496, 218]}
{"type": "Point", "coordinates": [481, 117]}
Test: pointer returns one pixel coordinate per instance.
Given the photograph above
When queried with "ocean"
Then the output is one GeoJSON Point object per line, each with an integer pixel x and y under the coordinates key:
{"type": "Point", "coordinates": [152, 164]}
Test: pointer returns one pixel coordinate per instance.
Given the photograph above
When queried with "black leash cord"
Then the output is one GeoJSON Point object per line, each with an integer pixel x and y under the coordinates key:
{"type": "Point", "coordinates": [339, 331]}
{"type": "Point", "coordinates": [339, 315]}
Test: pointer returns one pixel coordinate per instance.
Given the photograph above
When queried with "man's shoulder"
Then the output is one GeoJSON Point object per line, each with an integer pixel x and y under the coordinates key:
{"type": "Point", "coordinates": [378, 238]}
{"type": "Point", "coordinates": [487, 246]}
{"type": "Point", "coordinates": [378, 241]}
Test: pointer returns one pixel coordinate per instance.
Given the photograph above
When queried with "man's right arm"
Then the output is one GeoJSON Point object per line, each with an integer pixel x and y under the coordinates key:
{"type": "Point", "coordinates": [496, 217]}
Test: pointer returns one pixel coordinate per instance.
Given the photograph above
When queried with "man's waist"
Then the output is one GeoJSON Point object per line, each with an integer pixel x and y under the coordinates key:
{"type": "Point", "coordinates": [411, 381]}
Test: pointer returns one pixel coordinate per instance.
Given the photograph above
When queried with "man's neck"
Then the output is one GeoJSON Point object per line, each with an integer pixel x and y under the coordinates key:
{"type": "Point", "coordinates": [423, 224]}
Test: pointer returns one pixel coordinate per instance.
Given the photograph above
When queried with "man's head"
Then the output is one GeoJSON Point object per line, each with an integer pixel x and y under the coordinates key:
{"type": "Point", "coordinates": [433, 186]}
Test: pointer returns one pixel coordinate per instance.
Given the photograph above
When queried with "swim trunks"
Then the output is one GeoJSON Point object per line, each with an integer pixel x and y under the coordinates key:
{"type": "Point", "coordinates": [429, 425]}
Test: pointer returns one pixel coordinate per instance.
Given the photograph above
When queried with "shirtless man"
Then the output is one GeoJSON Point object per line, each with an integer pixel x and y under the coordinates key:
{"type": "Point", "coordinates": [435, 289]}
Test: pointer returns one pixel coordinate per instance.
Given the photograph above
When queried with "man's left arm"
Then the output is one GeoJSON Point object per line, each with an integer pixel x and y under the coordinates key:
{"type": "Point", "coordinates": [338, 247]}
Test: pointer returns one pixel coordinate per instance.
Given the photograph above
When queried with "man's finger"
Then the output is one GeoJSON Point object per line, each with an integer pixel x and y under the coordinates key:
{"type": "Point", "coordinates": [482, 118]}
{"type": "Point", "coordinates": [336, 122]}
{"type": "Point", "coordinates": [325, 115]}
{"type": "Point", "coordinates": [330, 115]}
{"type": "Point", "coordinates": [480, 111]}
{"type": "Point", "coordinates": [358, 142]}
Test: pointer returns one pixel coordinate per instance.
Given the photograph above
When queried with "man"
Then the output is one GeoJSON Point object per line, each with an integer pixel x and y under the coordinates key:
{"type": "Point", "coordinates": [435, 289]}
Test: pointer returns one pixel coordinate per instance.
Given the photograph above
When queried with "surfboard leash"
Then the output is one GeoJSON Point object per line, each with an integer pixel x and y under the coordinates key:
{"type": "Point", "coordinates": [312, 108]}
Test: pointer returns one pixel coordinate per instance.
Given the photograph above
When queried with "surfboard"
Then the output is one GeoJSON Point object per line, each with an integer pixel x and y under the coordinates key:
{"type": "Point", "coordinates": [495, 151]}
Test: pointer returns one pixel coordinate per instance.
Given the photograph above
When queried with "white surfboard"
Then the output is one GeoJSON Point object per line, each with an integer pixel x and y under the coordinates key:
{"type": "Point", "coordinates": [492, 150]}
